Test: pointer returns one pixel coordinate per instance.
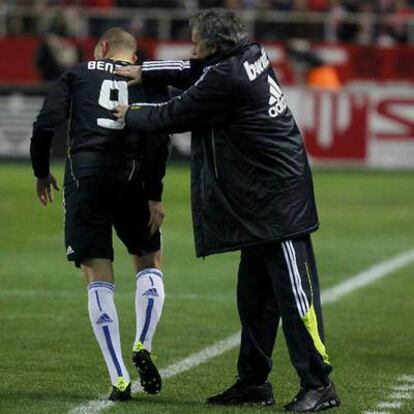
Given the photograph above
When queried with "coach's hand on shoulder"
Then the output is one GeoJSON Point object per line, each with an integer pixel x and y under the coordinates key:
{"type": "Point", "coordinates": [156, 210]}
{"type": "Point", "coordinates": [45, 187]}
{"type": "Point", "coordinates": [120, 112]}
{"type": "Point", "coordinates": [133, 72]}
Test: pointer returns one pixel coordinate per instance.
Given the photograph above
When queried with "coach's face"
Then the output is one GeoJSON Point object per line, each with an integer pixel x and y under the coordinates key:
{"type": "Point", "coordinates": [200, 50]}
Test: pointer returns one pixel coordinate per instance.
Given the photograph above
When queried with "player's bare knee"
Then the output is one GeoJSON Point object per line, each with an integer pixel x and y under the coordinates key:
{"type": "Point", "coordinates": [97, 270]}
{"type": "Point", "coordinates": [150, 260]}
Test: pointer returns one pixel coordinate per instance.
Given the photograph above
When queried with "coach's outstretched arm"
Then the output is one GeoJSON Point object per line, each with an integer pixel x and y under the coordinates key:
{"type": "Point", "coordinates": [178, 73]}
{"type": "Point", "coordinates": [207, 102]}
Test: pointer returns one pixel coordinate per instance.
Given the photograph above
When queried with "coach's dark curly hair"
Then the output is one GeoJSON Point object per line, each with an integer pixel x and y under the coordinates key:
{"type": "Point", "coordinates": [217, 27]}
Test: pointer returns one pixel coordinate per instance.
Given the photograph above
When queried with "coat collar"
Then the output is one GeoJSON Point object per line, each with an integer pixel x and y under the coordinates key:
{"type": "Point", "coordinates": [217, 57]}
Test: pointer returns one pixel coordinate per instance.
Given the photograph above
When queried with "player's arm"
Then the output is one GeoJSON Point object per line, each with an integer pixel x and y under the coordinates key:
{"type": "Point", "coordinates": [157, 153]}
{"type": "Point", "coordinates": [207, 102]}
{"type": "Point", "coordinates": [178, 73]}
{"type": "Point", "coordinates": [154, 166]}
{"type": "Point", "coordinates": [157, 150]}
{"type": "Point", "coordinates": [53, 113]}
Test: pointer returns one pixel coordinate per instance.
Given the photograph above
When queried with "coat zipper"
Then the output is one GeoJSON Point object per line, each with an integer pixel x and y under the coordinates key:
{"type": "Point", "coordinates": [132, 171]}
{"type": "Point", "coordinates": [213, 145]}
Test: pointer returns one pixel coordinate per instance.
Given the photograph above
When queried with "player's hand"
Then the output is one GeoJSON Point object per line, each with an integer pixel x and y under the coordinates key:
{"type": "Point", "coordinates": [120, 112]}
{"type": "Point", "coordinates": [156, 210]}
{"type": "Point", "coordinates": [45, 187]}
{"type": "Point", "coordinates": [133, 72]}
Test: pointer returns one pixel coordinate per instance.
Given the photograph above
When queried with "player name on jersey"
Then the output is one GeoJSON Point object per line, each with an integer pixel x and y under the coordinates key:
{"type": "Point", "coordinates": [101, 65]}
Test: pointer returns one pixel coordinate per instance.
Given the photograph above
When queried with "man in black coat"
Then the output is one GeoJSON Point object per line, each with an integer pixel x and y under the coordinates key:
{"type": "Point", "coordinates": [251, 190]}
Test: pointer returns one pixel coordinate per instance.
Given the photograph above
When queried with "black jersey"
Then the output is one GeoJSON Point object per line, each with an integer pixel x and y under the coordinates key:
{"type": "Point", "coordinates": [98, 144]}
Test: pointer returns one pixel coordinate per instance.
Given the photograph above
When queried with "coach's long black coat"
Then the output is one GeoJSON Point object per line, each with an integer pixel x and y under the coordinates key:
{"type": "Point", "coordinates": [251, 181]}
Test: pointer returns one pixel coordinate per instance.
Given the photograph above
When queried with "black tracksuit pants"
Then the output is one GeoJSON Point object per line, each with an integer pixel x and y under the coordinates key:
{"type": "Point", "coordinates": [279, 281]}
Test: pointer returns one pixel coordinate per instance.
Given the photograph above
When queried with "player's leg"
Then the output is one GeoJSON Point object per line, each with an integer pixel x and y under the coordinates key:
{"type": "Point", "coordinates": [149, 297]}
{"type": "Point", "coordinates": [291, 264]}
{"type": "Point", "coordinates": [131, 225]}
{"type": "Point", "coordinates": [105, 324]}
{"type": "Point", "coordinates": [89, 244]}
{"type": "Point", "coordinates": [259, 316]}
{"type": "Point", "coordinates": [149, 301]}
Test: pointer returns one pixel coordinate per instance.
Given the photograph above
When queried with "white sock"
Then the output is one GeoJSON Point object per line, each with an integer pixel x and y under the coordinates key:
{"type": "Point", "coordinates": [104, 320]}
{"type": "Point", "coordinates": [149, 300]}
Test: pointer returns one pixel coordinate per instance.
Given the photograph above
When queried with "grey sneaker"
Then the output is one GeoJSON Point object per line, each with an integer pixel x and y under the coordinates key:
{"type": "Point", "coordinates": [314, 400]}
{"type": "Point", "coordinates": [243, 393]}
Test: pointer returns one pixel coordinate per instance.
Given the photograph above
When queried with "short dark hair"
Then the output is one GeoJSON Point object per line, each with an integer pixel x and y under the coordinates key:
{"type": "Point", "coordinates": [120, 39]}
{"type": "Point", "coordinates": [218, 27]}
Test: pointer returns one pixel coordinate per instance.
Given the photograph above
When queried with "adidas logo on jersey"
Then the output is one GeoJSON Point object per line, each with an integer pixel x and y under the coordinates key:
{"type": "Point", "coordinates": [277, 99]}
{"type": "Point", "coordinates": [104, 318]}
{"type": "Point", "coordinates": [150, 292]}
{"type": "Point", "coordinates": [69, 251]}
{"type": "Point", "coordinates": [256, 68]}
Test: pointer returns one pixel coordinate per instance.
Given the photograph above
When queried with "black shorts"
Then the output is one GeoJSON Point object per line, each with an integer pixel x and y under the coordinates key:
{"type": "Point", "coordinates": [93, 206]}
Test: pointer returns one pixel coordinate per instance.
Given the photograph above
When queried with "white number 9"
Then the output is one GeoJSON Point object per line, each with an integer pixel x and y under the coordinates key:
{"type": "Point", "coordinates": [106, 102]}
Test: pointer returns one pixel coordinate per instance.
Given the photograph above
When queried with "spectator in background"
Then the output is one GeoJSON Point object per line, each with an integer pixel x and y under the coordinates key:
{"type": "Point", "coordinates": [310, 69]}
{"type": "Point", "coordinates": [17, 24]}
{"type": "Point", "coordinates": [57, 52]}
{"type": "Point", "coordinates": [395, 26]}
{"type": "Point", "coordinates": [162, 4]}
{"type": "Point", "coordinates": [340, 9]}
{"type": "Point", "coordinates": [55, 55]}
{"type": "Point", "coordinates": [282, 5]}
{"type": "Point", "coordinates": [366, 26]}
{"type": "Point", "coordinates": [101, 4]}
{"type": "Point", "coordinates": [318, 5]}
{"type": "Point", "coordinates": [98, 25]}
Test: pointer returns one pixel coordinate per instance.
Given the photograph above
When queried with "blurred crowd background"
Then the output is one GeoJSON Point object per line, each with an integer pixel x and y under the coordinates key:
{"type": "Point", "coordinates": [347, 66]}
{"type": "Point", "coordinates": [363, 21]}
{"type": "Point", "coordinates": [61, 25]}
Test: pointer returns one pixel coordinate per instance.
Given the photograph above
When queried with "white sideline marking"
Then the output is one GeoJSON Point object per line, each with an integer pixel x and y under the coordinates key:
{"type": "Point", "coordinates": [376, 412]}
{"type": "Point", "coordinates": [390, 404]}
{"type": "Point", "coordinates": [401, 396]}
{"type": "Point", "coordinates": [368, 276]}
{"type": "Point", "coordinates": [96, 406]}
{"type": "Point", "coordinates": [198, 358]}
{"type": "Point", "coordinates": [397, 399]}
{"type": "Point", "coordinates": [408, 387]}
{"type": "Point", "coordinates": [330, 295]}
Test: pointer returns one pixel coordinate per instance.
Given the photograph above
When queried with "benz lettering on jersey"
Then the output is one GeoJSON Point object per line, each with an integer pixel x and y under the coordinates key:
{"type": "Point", "coordinates": [256, 68]}
{"type": "Point", "coordinates": [103, 65]}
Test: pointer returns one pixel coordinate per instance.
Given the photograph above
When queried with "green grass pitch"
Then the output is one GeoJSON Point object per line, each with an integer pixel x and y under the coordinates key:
{"type": "Point", "coordinates": [50, 362]}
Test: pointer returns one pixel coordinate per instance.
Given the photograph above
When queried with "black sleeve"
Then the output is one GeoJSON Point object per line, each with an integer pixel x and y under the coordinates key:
{"type": "Point", "coordinates": [54, 111]}
{"type": "Point", "coordinates": [156, 146]}
{"type": "Point", "coordinates": [178, 73]}
{"type": "Point", "coordinates": [206, 102]}
{"type": "Point", "coordinates": [156, 155]}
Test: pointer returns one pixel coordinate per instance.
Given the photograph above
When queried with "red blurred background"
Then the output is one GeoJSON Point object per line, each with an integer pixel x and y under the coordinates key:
{"type": "Point", "coordinates": [364, 117]}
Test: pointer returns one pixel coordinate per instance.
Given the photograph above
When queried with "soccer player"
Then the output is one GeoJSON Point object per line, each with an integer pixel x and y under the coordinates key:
{"type": "Point", "coordinates": [111, 180]}
{"type": "Point", "coordinates": [251, 190]}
